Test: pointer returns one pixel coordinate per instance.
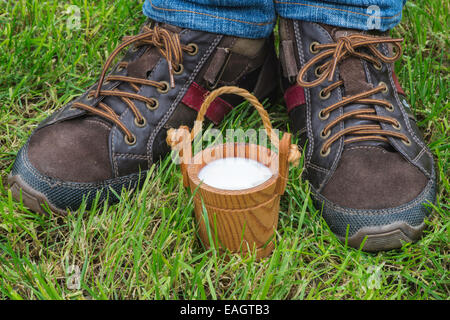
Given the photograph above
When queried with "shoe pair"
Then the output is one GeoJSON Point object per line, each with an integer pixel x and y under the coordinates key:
{"type": "Point", "coordinates": [370, 171]}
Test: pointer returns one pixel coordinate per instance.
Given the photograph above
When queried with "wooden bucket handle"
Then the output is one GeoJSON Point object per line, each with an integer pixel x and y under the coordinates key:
{"type": "Point", "coordinates": [247, 96]}
{"type": "Point", "coordinates": [287, 152]}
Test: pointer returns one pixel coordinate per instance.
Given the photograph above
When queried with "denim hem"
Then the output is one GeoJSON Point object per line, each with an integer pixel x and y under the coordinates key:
{"type": "Point", "coordinates": [209, 22]}
{"type": "Point", "coordinates": [382, 17]}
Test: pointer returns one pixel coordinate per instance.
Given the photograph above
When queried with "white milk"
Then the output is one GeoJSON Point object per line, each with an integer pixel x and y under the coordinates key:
{"type": "Point", "coordinates": [234, 173]}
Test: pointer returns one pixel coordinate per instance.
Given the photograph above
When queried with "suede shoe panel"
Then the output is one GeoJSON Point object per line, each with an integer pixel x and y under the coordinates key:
{"type": "Point", "coordinates": [373, 178]}
{"type": "Point", "coordinates": [74, 150]}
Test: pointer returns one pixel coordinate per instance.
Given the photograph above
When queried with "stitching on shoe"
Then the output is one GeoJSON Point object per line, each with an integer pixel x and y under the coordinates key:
{"type": "Point", "coordinates": [341, 112]}
{"type": "Point", "coordinates": [317, 168]}
{"type": "Point", "coordinates": [126, 112]}
{"type": "Point", "coordinates": [104, 125]}
{"type": "Point", "coordinates": [109, 128]}
{"type": "Point", "coordinates": [302, 131]}
{"type": "Point", "coordinates": [366, 70]}
{"type": "Point", "coordinates": [408, 124]}
{"type": "Point", "coordinates": [180, 95]}
{"type": "Point", "coordinates": [338, 156]}
{"type": "Point", "coordinates": [298, 38]}
{"type": "Point", "coordinates": [123, 115]}
{"type": "Point", "coordinates": [367, 147]}
{"type": "Point", "coordinates": [399, 147]}
{"type": "Point", "coordinates": [419, 155]}
{"type": "Point", "coordinates": [131, 156]}
{"type": "Point", "coordinates": [402, 109]}
{"type": "Point", "coordinates": [404, 114]}
{"type": "Point", "coordinates": [113, 143]}
{"type": "Point", "coordinates": [422, 153]}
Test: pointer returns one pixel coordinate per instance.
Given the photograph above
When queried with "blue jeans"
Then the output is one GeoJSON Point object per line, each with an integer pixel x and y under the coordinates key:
{"type": "Point", "coordinates": [256, 18]}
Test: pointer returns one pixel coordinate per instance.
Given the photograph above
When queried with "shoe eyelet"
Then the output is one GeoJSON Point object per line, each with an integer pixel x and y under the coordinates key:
{"type": "Point", "coordinates": [194, 49]}
{"type": "Point", "coordinates": [130, 142]}
{"type": "Point", "coordinates": [312, 47]}
{"type": "Point", "coordinates": [386, 89]}
{"type": "Point", "coordinates": [134, 49]}
{"type": "Point", "coordinates": [166, 87]}
{"type": "Point", "coordinates": [317, 72]}
{"type": "Point", "coordinates": [140, 124]}
{"type": "Point", "coordinates": [323, 96]}
{"type": "Point", "coordinates": [90, 96]}
{"type": "Point", "coordinates": [323, 135]}
{"type": "Point", "coordinates": [325, 153]}
{"type": "Point", "coordinates": [154, 106]}
{"type": "Point", "coordinates": [397, 126]}
{"type": "Point", "coordinates": [322, 116]}
{"type": "Point", "coordinates": [406, 143]}
{"type": "Point", "coordinates": [212, 86]}
{"type": "Point", "coordinates": [390, 108]}
{"type": "Point", "coordinates": [378, 67]}
{"type": "Point", "coordinates": [180, 69]}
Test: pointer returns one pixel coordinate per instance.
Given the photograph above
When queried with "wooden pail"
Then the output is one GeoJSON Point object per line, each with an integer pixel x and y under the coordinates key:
{"type": "Point", "coordinates": [237, 220]}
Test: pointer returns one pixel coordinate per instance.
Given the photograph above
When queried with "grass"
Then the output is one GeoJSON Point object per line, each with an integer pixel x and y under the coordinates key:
{"type": "Point", "coordinates": [146, 247]}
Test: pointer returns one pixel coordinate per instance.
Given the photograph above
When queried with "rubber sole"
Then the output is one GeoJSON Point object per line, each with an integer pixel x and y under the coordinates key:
{"type": "Point", "coordinates": [32, 199]}
{"type": "Point", "coordinates": [383, 238]}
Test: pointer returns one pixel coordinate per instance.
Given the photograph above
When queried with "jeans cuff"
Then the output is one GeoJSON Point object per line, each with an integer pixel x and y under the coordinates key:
{"type": "Point", "coordinates": [383, 16]}
{"type": "Point", "coordinates": [196, 19]}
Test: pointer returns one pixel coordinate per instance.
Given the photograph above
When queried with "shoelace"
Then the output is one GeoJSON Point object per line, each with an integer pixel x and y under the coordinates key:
{"type": "Point", "coordinates": [169, 47]}
{"type": "Point", "coordinates": [342, 49]}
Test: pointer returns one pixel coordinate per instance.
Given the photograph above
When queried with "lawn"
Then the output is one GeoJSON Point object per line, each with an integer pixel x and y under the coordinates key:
{"type": "Point", "coordinates": [146, 246]}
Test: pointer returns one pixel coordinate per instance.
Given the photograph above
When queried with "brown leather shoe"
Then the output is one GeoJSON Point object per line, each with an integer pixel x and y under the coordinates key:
{"type": "Point", "coordinates": [109, 136]}
{"type": "Point", "coordinates": [366, 160]}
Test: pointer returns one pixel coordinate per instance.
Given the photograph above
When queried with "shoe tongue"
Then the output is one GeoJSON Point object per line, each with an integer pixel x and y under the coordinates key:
{"type": "Point", "coordinates": [140, 67]}
{"type": "Point", "coordinates": [169, 27]}
{"type": "Point", "coordinates": [351, 71]}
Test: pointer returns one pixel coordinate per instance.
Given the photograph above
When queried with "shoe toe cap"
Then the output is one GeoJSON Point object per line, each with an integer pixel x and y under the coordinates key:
{"type": "Point", "coordinates": [75, 150]}
{"type": "Point", "coordinates": [376, 194]}
{"type": "Point", "coordinates": [373, 178]}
